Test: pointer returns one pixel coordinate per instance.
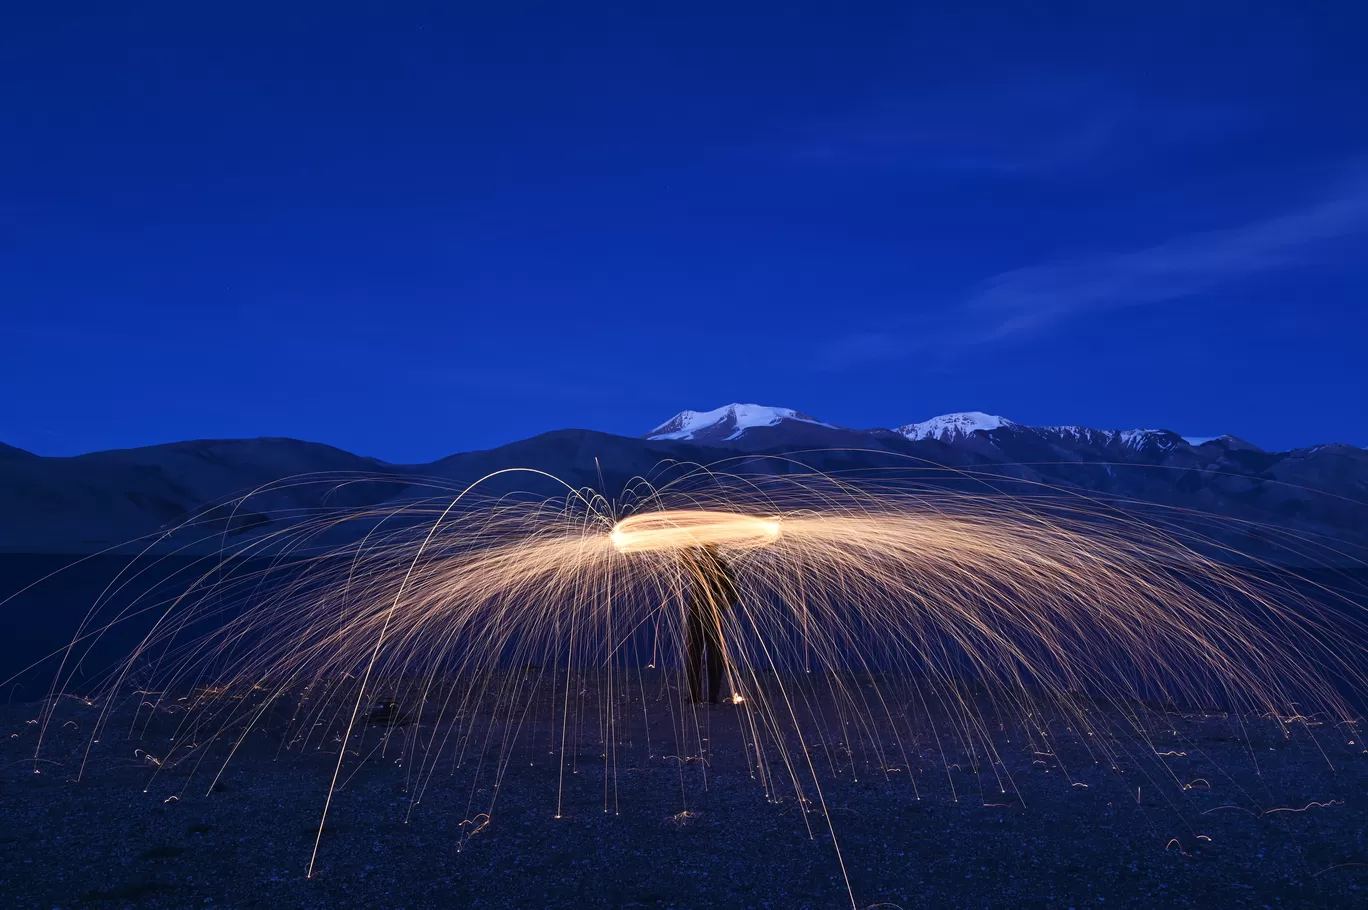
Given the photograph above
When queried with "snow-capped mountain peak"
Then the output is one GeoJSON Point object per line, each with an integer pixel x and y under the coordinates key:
{"type": "Point", "coordinates": [974, 429]}
{"type": "Point", "coordinates": [960, 427]}
{"type": "Point", "coordinates": [949, 427]}
{"type": "Point", "coordinates": [726, 423]}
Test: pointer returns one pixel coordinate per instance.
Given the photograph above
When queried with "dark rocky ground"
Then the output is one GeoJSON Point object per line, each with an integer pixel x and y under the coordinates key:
{"type": "Point", "coordinates": [1073, 833]}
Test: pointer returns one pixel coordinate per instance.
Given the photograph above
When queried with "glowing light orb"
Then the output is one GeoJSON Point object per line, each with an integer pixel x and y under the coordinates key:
{"type": "Point", "coordinates": [673, 530]}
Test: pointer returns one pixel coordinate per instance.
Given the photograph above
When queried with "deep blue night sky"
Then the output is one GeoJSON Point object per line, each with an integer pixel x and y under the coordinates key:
{"type": "Point", "coordinates": [415, 233]}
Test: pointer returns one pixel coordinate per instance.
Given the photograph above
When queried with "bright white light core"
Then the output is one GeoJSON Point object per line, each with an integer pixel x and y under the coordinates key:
{"type": "Point", "coordinates": [683, 528]}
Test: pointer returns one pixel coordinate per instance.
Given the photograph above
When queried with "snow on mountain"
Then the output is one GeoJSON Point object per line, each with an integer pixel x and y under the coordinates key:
{"type": "Point", "coordinates": [1090, 435]}
{"type": "Point", "coordinates": [1104, 437]}
{"type": "Point", "coordinates": [726, 423]}
{"type": "Point", "coordinates": [1165, 439]}
{"type": "Point", "coordinates": [957, 427]}
{"type": "Point", "coordinates": [949, 427]}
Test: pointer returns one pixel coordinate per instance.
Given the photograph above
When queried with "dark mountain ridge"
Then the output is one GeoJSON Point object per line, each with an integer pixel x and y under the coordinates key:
{"type": "Point", "coordinates": [86, 503]}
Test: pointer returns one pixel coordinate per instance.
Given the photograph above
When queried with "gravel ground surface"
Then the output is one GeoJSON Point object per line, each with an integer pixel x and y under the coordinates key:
{"type": "Point", "coordinates": [1213, 812]}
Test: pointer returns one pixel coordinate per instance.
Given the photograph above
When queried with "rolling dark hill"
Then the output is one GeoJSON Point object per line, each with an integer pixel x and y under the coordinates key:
{"type": "Point", "coordinates": [1302, 508]}
{"type": "Point", "coordinates": [89, 502]}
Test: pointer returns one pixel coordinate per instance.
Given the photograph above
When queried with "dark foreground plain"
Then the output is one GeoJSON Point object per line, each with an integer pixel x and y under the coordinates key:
{"type": "Point", "coordinates": [1214, 811]}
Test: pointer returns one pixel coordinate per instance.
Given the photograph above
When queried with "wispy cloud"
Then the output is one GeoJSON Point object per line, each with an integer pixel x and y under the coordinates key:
{"type": "Point", "coordinates": [1027, 299]}
{"type": "Point", "coordinates": [1021, 302]}
{"type": "Point", "coordinates": [1013, 129]}
{"type": "Point", "coordinates": [863, 347]}
{"type": "Point", "coordinates": [971, 147]}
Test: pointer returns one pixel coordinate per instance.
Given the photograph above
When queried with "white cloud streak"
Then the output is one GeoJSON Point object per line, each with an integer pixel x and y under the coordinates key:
{"type": "Point", "coordinates": [1019, 303]}
{"type": "Point", "coordinates": [1027, 299]}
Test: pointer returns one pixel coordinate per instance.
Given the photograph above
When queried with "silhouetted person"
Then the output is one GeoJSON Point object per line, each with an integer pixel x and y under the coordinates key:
{"type": "Point", "coordinates": [711, 590]}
